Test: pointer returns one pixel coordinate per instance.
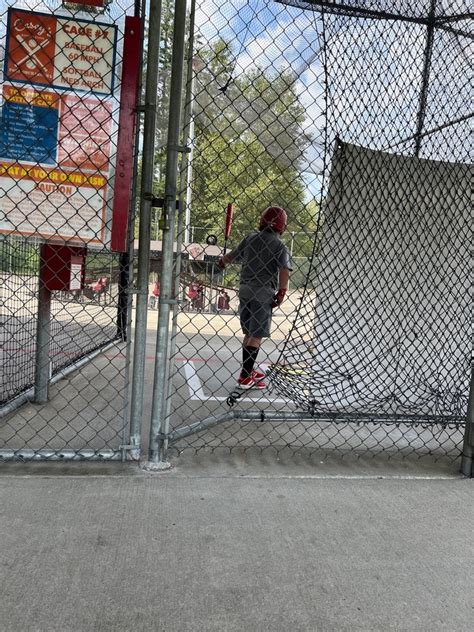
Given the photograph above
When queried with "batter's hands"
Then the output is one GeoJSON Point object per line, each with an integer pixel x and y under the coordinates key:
{"type": "Point", "coordinates": [279, 298]}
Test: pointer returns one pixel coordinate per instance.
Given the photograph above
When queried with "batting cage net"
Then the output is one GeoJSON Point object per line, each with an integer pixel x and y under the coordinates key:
{"type": "Point", "coordinates": [353, 117]}
{"type": "Point", "coordinates": [66, 172]}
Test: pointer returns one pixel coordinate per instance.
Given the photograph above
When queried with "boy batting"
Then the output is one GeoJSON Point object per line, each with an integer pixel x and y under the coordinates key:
{"type": "Point", "coordinates": [264, 276]}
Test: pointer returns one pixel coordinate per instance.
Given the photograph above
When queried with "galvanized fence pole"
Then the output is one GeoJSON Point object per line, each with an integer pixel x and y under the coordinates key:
{"type": "Point", "coordinates": [148, 172]}
{"type": "Point", "coordinates": [158, 422]}
{"type": "Point", "coordinates": [467, 462]}
{"type": "Point", "coordinates": [43, 337]}
{"type": "Point", "coordinates": [430, 33]}
{"type": "Point", "coordinates": [183, 210]}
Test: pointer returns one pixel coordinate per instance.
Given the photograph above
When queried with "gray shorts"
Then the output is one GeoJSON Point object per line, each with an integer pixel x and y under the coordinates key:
{"type": "Point", "coordinates": [255, 318]}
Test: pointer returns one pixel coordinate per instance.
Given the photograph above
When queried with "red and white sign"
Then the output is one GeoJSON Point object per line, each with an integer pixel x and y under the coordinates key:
{"type": "Point", "coordinates": [31, 47]}
{"type": "Point", "coordinates": [56, 51]}
{"type": "Point", "coordinates": [84, 133]}
{"type": "Point", "coordinates": [64, 136]}
{"type": "Point", "coordinates": [87, 5]}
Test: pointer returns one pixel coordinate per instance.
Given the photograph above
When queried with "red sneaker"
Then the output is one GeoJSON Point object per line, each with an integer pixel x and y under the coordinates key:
{"type": "Point", "coordinates": [246, 383]}
{"type": "Point", "coordinates": [257, 375]}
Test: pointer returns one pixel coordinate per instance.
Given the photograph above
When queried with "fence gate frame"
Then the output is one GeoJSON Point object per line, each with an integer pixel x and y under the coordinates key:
{"type": "Point", "coordinates": [124, 134]}
{"type": "Point", "coordinates": [161, 437]}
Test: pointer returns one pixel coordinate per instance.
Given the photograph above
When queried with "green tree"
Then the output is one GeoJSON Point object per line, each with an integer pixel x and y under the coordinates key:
{"type": "Point", "coordinates": [249, 147]}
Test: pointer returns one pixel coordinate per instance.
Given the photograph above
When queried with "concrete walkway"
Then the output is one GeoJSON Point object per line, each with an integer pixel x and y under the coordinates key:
{"type": "Point", "coordinates": [92, 548]}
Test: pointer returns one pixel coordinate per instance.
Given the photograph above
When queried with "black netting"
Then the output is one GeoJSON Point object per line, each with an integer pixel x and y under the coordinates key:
{"type": "Point", "coordinates": [385, 326]}
{"type": "Point", "coordinates": [444, 10]}
{"type": "Point", "coordinates": [354, 116]}
{"type": "Point", "coordinates": [394, 250]}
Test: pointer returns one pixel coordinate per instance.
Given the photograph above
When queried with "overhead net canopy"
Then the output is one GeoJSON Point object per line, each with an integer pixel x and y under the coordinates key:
{"type": "Point", "coordinates": [420, 11]}
{"type": "Point", "coordinates": [384, 327]}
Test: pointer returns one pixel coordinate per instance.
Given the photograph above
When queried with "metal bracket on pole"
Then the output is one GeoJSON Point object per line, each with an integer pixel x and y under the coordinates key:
{"type": "Point", "coordinates": [181, 149]}
{"type": "Point", "coordinates": [157, 202]}
{"type": "Point", "coordinates": [132, 450]}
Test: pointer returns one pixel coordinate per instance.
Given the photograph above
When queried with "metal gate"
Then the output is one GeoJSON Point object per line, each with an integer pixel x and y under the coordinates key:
{"type": "Point", "coordinates": [64, 251]}
{"type": "Point", "coordinates": [354, 119]}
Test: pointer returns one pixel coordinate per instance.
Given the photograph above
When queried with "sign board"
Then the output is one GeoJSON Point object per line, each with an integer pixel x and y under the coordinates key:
{"type": "Point", "coordinates": [52, 203]}
{"type": "Point", "coordinates": [58, 128]}
{"type": "Point", "coordinates": [30, 122]}
{"type": "Point", "coordinates": [61, 53]}
{"type": "Point", "coordinates": [54, 163]}
{"type": "Point", "coordinates": [76, 275]}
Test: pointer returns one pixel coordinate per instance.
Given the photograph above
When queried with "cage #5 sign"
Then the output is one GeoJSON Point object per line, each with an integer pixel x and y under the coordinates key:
{"type": "Point", "coordinates": [57, 127]}
{"type": "Point", "coordinates": [59, 52]}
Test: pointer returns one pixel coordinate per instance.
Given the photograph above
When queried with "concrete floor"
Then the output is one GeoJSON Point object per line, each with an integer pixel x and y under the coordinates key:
{"type": "Point", "coordinates": [303, 535]}
{"type": "Point", "coordinates": [111, 548]}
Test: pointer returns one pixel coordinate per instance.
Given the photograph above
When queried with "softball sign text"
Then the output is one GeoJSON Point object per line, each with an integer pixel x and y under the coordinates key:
{"type": "Point", "coordinates": [57, 128]}
{"type": "Point", "coordinates": [58, 52]}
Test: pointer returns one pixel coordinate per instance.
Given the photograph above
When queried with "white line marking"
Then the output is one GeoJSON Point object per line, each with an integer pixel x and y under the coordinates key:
{"type": "Point", "coordinates": [194, 383]}
{"type": "Point", "coordinates": [196, 391]}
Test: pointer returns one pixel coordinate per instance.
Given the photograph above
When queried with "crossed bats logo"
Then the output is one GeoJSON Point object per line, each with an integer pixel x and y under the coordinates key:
{"type": "Point", "coordinates": [32, 37]}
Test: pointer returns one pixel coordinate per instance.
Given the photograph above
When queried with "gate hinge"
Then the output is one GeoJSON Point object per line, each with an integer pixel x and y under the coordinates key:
{"type": "Point", "coordinates": [184, 149]}
{"type": "Point", "coordinates": [157, 202]}
{"type": "Point", "coordinates": [161, 437]}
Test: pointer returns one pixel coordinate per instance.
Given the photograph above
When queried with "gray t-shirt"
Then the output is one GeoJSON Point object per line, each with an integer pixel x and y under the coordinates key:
{"type": "Point", "coordinates": [262, 255]}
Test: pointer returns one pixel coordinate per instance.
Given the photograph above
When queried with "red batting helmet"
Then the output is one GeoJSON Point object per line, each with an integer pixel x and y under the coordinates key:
{"type": "Point", "coordinates": [275, 218]}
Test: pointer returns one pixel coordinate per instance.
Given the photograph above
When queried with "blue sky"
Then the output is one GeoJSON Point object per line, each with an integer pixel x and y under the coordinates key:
{"type": "Point", "coordinates": [376, 99]}
{"type": "Point", "coordinates": [272, 35]}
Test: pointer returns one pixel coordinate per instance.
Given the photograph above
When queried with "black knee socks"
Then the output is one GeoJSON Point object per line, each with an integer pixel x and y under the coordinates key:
{"type": "Point", "coordinates": [249, 355]}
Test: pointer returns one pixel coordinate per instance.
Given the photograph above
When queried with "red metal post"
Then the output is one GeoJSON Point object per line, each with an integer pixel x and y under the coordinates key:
{"type": "Point", "coordinates": [126, 136]}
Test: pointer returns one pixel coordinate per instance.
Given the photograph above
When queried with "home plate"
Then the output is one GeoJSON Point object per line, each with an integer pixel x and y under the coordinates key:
{"type": "Point", "coordinates": [196, 390]}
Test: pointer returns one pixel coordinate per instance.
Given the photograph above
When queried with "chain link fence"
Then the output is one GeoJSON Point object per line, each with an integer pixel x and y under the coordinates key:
{"type": "Point", "coordinates": [64, 252]}
{"type": "Point", "coordinates": [353, 117]}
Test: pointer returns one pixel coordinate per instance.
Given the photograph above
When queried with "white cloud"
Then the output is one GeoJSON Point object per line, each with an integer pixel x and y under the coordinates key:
{"type": "Point", "coordinates": [374, 68]}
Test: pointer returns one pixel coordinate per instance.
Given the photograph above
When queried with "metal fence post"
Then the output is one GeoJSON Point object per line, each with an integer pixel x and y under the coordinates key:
{"type": "Point", "coordinates": [43, 338]}
{"type": "Point", "coordinates": [183, 209]}
{"type": "Point", "coordinates": [148, 161]}
{"type": "Point", "coordinates": [168, 220]}
{"type": "Point", "coordinates": [467, 462]}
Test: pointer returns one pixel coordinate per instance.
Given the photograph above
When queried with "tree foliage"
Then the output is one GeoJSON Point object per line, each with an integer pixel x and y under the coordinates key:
{"type": "Point", "coordinates": [249, 143]}
{"type": "Point", "coordinates": [249, 146]}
